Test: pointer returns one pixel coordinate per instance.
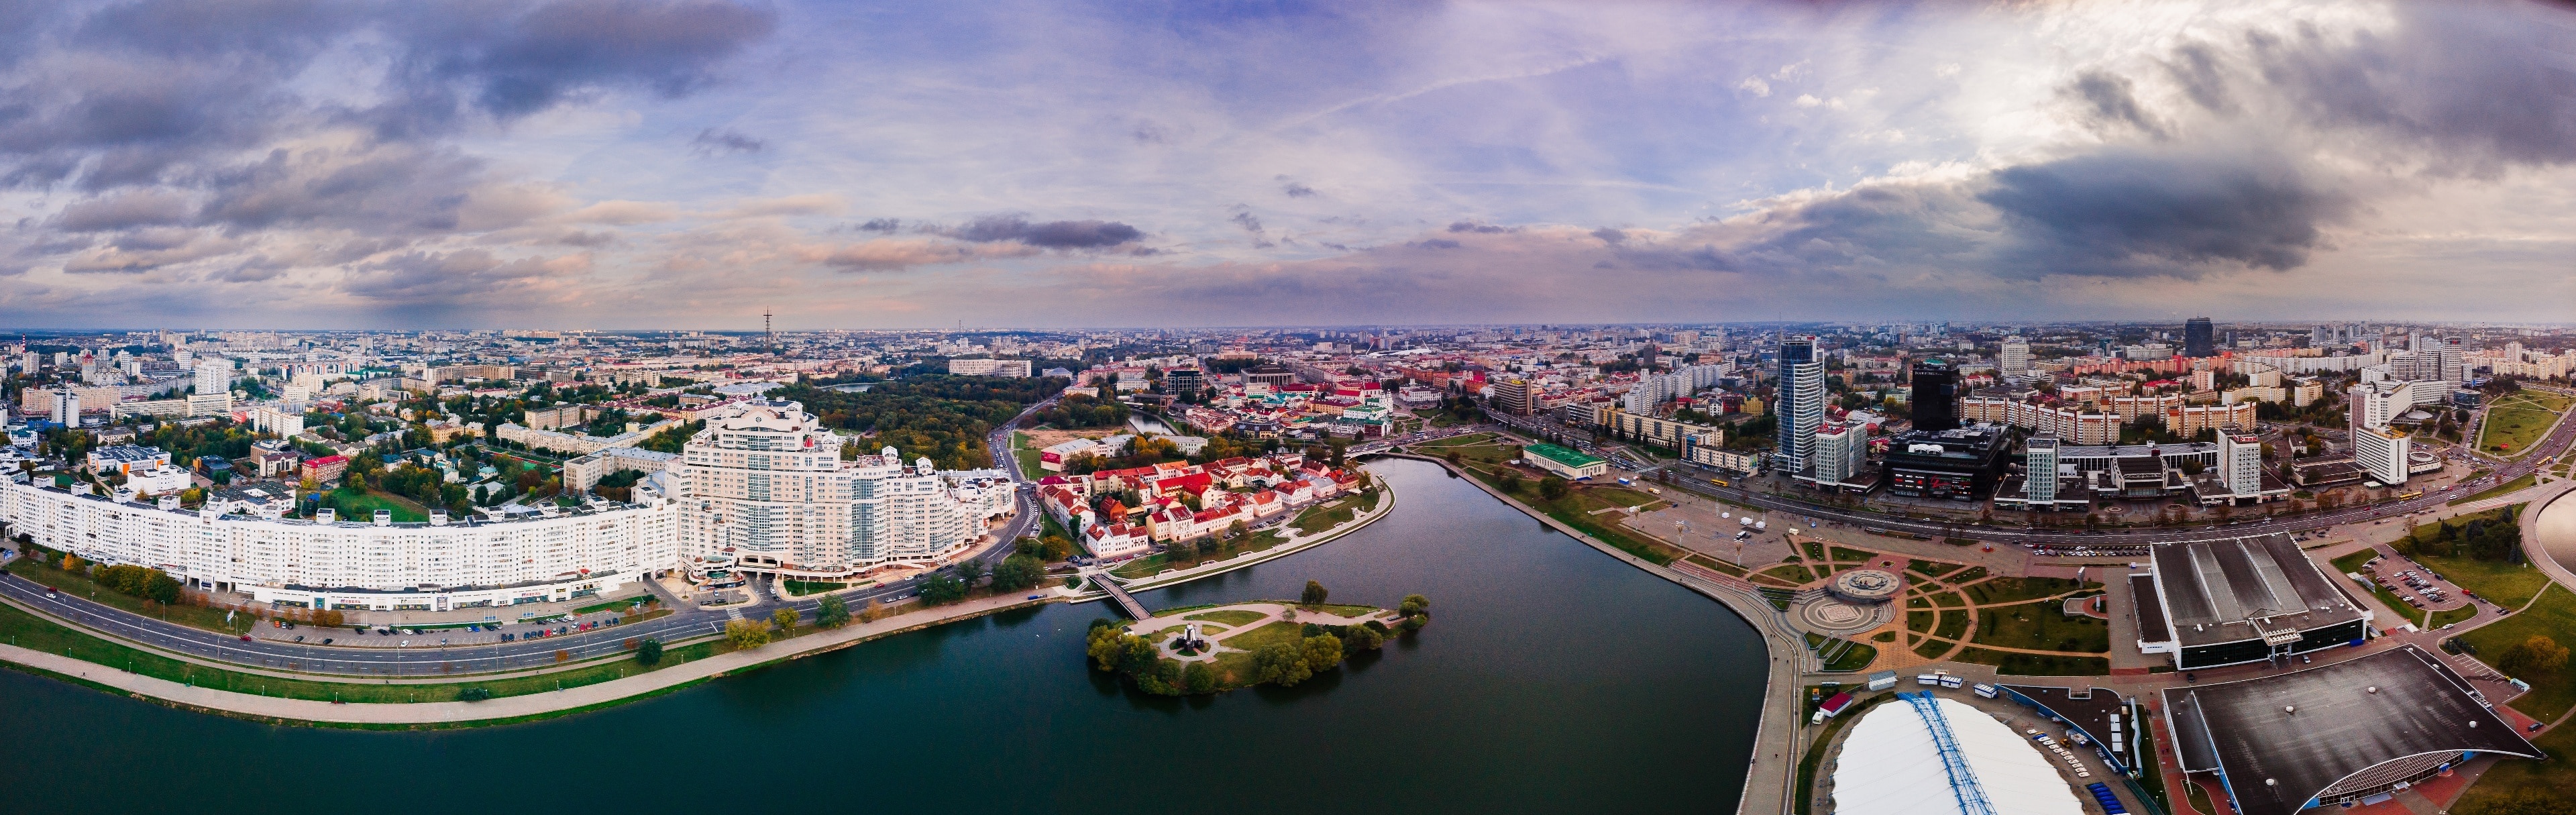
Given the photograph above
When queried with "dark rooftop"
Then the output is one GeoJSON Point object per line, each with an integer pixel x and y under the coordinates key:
{"type": "Point", "coordinates": [2151, 611]}
{"type": "Point", "coordinates": [2214, 591]}
{"type": "Point", "coordinates": [2341, 726]}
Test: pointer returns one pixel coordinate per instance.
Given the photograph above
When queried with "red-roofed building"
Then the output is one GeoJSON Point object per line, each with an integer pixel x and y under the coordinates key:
{"type": "Point", "coordinates": [325, 468]}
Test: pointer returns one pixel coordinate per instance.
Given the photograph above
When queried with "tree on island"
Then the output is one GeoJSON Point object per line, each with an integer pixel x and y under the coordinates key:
{"type": "Point", "coordinates": [649, 652]}
{"type": "Point", "coordinates": [1315, 594]}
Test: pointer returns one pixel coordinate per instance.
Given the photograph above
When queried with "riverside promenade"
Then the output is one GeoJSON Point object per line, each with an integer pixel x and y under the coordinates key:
{"type": "Point", "coordinates": [509, 708]}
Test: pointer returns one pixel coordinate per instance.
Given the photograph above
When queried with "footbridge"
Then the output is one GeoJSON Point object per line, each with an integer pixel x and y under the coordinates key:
{"type": "Point", "coordinates": [1126, 602]}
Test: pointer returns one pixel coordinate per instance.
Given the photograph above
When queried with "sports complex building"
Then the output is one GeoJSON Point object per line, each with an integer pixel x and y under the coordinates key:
{"type": "Point", "coordinates": [2350, 733]}
{"type": "Point", "coordinates": [1925, 755]}
{"type": "Point", "coordinates": [2240, 600]}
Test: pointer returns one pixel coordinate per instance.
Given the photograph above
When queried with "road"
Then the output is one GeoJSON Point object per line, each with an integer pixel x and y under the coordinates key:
{"type": "Point", "coordinates": [434, 660]}
{"type": "Point", "coordinates": [2556, 445]}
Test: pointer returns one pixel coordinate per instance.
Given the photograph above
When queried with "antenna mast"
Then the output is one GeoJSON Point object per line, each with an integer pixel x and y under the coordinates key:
{"type": "Point", "coordinates": [766, 329]}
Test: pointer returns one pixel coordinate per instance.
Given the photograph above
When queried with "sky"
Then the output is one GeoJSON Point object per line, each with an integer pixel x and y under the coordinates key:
{"type": "Point", "coordinates": [693, 163]}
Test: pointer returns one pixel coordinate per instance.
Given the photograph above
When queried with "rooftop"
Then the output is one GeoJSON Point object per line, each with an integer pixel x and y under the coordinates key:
{"type": "Point", "coordinates": [2302, 732]}
{"type": "Point", "coordinates": [2215, 591]}
{"type": "Point", "coordinates": [1561, 455]}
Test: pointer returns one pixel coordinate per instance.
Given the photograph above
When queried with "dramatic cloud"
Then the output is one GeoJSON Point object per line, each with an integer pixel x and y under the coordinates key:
{"type": "Point", "coordinates": [690, 162]}
{"type": "Point", "coordinates": [1045, 235]}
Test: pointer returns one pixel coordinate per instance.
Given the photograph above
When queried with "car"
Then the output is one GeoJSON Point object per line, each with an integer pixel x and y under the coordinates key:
{"type": "Point", "coordinates": [245, 637]}
{"type": "Point", "coordinates": [1036, 596]}
{"type": "Point", "coordinates": [299, 638]}
{"type": "Point", "coordinates": [326, 640]}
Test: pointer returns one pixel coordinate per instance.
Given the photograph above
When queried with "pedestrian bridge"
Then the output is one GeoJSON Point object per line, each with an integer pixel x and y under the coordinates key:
{"type": "Point", "coordinates": [1126, 602]}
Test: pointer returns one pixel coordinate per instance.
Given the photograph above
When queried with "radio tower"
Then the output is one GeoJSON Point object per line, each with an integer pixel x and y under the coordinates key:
{"type": "Point", "coordinates": [766, 329]}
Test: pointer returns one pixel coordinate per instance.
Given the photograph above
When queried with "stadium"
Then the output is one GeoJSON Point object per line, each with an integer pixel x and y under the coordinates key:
{"type": "Point", "coordinates": [2353, 732]}
{"type": "Point", "coordinates": [2240, 600]}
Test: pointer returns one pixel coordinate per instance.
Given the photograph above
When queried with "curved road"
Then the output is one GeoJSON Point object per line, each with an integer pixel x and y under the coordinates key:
{"type": "Point", "coordinates": [433, 660]}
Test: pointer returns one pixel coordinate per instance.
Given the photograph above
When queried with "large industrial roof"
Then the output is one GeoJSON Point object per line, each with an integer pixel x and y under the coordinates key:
{"type": "Point", "coordinates": [1892, 764]}
{"type": "Point", "coordinates": [1561, 455]}
{"type": "Point", "coordinates": [2213, 590]}
{"type": "Point", "coordinates": [2350, 716]}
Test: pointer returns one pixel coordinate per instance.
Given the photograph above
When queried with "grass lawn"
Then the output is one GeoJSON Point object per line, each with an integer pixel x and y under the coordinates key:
{"type": "Point", "coordinates": [1232, 617]}
{"type": "Point", "coordinates": [1716, 565]}
{"type": "Point", "coordinates": [1327, 516]}
{"type": "Point", "coordinates": [1931, 568]}
{"type": "Point", "coordinates": [79, 585]}
{"type": "Point", "coordinates": [2554, 616]}
{"type": "Point", "coordinates": [613, 604]}
{"type": "Point", "coordinates": [2510, 775]}
{"type": "Point", "coordinates": [1967, 575]}
{"type": "Point", "coordinates": [2526, 480]}
{"type": "Point", "coordinates": [2352, 563]}
{"type": "Point", "coordinates": [1949, 599]}
{"type": "Point", "coordinates": [1572, 510]}
{"type": "Point", "coordinates": [1858, 555]}
{"type": "Point", "coordinates": [2508, 584]}
{"type": "Point", "coordinates": [1921, 622]}
{"type": "Point", "coordinates": [800, 588]}
{"type": "Point", "coordinates": [2042, 627]}
{"type": "Point", "coordinates": [2516, 421]}
{"type": "Point", "coordinates": [363, 506]}
{"type": "Point", "coordinates": [1954, 624]}
{"type": "Point", "coordinates": [1281, 631]}
{"type": "Point", "coordinates": [1931, 649]}
{"type": "Point", "coordinates": [2153, 779]}
{"type": "Point", "coordinates": [2036, 664]}
{"type": "Point", "coordinates": [2447, 617]}
{"type": "Point", "coordinates": [1854, 656]}
{"type": "Point", "coordinates": [2015, 589]}
{"type": "Point", "coordinates": [30, 631]}
{"type": "Point", "coordinates": [1030, 467]}
{"type": "Point", "coordinates": [1793, 573]}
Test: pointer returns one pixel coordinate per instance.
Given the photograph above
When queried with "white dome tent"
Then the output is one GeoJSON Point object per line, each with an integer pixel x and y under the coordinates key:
{"type": "Point", "coordinates": [1926, 755]}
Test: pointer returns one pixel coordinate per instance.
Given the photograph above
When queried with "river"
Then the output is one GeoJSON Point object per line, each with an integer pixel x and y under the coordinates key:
{"type": "Point", "coordinates": [1553, 678]}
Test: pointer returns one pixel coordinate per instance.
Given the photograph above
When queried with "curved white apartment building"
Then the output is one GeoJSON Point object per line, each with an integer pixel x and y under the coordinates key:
{"type": "Point", "coordinates": [766, 490]}
{"type": "Point", "coordinates": [330, 563]}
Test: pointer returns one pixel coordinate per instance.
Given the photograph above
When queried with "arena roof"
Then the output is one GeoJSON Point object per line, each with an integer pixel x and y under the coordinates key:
{"type": "Point", "coordinates": [1897, 766]}
{"type": "Point", "coordinates": [1561, 455]}
{"type": "Point", "coordinates": [2351, 717]}
{"type": "Point", "coordinates": [2213, 591]}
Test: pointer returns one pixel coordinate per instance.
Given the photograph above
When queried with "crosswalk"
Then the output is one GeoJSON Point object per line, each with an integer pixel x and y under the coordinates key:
{"type": "Point", "coordinates": [733, 614]}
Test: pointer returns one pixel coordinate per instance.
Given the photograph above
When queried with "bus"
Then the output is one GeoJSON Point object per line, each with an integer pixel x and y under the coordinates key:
{"type": "Point", "coordinates": [1718, 481]}
{"type": "Point", "coordinates": [2411, 496]}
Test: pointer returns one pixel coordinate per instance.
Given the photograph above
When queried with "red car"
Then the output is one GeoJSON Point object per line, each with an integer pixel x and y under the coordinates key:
{"type": "Point", "coordinates": [245, 637]}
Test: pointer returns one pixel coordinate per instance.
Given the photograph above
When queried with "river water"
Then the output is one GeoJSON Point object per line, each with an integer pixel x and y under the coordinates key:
{"type": "Point", "coordinates": [1552, 679]}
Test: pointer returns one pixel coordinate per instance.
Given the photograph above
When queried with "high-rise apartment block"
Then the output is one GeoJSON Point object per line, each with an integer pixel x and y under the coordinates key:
{"type": "Point", "coordinates": [1801, 405]}
{"type": "Point", "coordinates": [2199, 338]}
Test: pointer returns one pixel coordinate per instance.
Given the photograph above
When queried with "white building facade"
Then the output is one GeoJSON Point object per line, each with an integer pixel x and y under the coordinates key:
{"type": "Point", "coordinates": [767, 490]}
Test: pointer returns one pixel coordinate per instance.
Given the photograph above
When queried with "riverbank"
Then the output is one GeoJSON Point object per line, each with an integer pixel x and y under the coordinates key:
{"type": "Point", "coordinates": [1768, 787]}
{"type": "Point", "coordinates": [503, 710]}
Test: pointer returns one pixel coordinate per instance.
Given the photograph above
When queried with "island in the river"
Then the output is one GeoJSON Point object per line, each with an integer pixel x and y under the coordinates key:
{"type": "Point", "coordinates": [1207, 649]}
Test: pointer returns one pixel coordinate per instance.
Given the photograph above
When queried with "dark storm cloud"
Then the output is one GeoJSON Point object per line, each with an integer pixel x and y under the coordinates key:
{"type": "Point", "coordinates": [2106, 214]}
{"type": "Point", "coordinates": [1293, 189]}
{"type": "Point", "coordinates": [724, 140]}
{"type": "Point", "coordinates": [1477, 228]}
{"type": "Point", "coordinates": [2107, 99]}
{"type": "Point", "coordinates": [881, 225]}
{"type": "Point", "coordinates": [2194, 68]}
{"type": "Point", "coordinates": [464, 276]}
{"type": "Point", "coordinates": [2464, 89]}
{"type": "Point", "coordinates": [1610, 236]}
{"type": "Point", "coordinates": [384, 189]}
{"type": "Point", "coordinates": [1044, 235]}
{"type": "Point", "coordinates": [510, 63]}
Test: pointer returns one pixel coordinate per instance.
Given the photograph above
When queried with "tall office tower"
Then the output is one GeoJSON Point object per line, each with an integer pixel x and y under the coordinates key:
{"type": "Point", "coordinates": [1514, 397]}
{"type": "Point", "coordinates": [1935, 403]}
{"type": "Point", "coordinates": [2014, 359]}
{"type": "Point", "coordinates": [2199, 338]}
{"type": "Point", "coordinates": [1800, 403]}
{"type": "Point", "coordinates": [2240, 463]}
{"type": "Point", "coordinates": [1842, 450]}
{"type": "Point", "coordinates": [214, 376]}
{"type": "Point", "coordinates": [66, 407]}
{"type": "Point", "coordinates": [2453, 349]}
{"type": "Point", "coordinates": [2039, 468]}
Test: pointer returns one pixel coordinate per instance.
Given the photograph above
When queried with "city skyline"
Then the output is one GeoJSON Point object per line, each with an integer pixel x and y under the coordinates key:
{"type": "Point", "coordinates": [1054, 166]}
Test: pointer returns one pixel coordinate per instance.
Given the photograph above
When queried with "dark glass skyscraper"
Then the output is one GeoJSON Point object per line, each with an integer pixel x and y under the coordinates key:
{"type": "Point", "coordinates": [2199, 338]}
{"type": "Point", "coordinates": [1935, 403]}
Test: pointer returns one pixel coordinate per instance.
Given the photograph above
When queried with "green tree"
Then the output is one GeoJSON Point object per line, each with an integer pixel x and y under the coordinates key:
{"type": "Point", "coordinates": [1018, 572]}
{"type": "Point", "coordinates": [1414, 604]}
{"type": "Point", "coordinates": [785, 620]}
{"type": "Point", "coordinates": [649, 652]}
{"type": "Point", "coordinates": [1314, 595]}
{"type": "Point", "coordinates": [1281, 663]}
{"type": "Point", "coordinates": [833, 613]}
{"type": "Point", "coordinates": [940, 589]}
{"type": "Point", "coordinates": [2537, 655]}
{"type": "Point", "coordinates": [2526, 801]}
{"type": "Point", "coordinates": [1553, 488]}
{"type": "Point", "coordinates": [1507, 478]}
{"type": "Point", "coordinates": [1322, 652]}
{"type": "Point", "coordinates": [1199, 678]}
{"type": "Point", "coordinates": [746, 634]}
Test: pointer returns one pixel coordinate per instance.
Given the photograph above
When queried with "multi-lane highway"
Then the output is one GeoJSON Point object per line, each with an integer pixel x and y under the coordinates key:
{"type": "Point", "coordinates": [426, 658]}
